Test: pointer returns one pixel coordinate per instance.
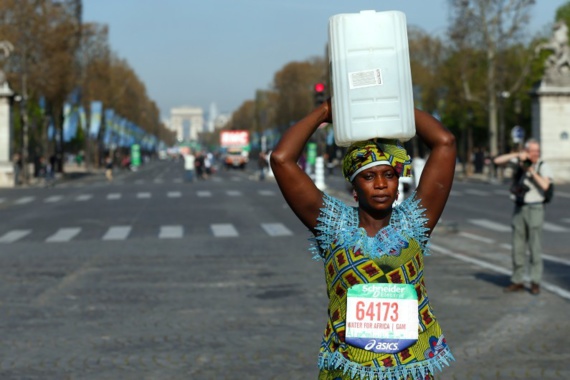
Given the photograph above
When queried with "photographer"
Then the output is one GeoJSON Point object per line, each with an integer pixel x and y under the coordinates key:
{"type": "Point", "coordinates": [531, 179]}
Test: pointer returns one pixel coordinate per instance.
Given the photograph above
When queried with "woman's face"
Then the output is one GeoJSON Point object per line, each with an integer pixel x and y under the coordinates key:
{"type": "Point", "coordinates": [377, 187]}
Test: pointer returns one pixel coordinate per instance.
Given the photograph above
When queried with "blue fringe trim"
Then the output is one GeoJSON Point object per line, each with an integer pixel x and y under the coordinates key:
{"type": "Point", "coordinates": [417, 370]}
{"type": "Point", "coordinates": [338, 224]}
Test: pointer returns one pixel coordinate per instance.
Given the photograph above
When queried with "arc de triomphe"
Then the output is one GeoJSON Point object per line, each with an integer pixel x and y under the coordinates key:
{"type": "Point", "coordinates": [195, 118]}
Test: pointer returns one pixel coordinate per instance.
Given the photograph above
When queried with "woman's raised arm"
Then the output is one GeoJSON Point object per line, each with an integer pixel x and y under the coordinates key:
{"type": "Point", "coordinates": [437, 175]}
{"type": "Point", "coordinates": [299, 190]}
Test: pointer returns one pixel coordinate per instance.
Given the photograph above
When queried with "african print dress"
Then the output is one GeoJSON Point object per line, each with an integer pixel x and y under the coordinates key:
{"type": "Point", "coordinates": [393, 256]}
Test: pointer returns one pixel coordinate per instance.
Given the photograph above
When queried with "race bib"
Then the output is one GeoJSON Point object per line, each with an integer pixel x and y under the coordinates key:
{"type": "Point", "coordinates": [382, 318]}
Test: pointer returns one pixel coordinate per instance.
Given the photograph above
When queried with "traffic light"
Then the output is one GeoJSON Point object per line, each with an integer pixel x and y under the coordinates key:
{"type": "Point", "coordinates": [319, 93]}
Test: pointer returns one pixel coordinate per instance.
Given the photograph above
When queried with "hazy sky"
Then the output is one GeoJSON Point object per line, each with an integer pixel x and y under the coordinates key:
{"type": "Point", "coordinates": [199, 52]}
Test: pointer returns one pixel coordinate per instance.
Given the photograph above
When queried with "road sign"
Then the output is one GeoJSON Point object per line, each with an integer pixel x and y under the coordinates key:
{"type": "Point", "coordinates": [517, 134]}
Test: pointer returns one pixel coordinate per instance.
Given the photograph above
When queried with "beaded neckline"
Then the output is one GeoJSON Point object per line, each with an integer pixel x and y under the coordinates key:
{"type": "Point", "coordinates": [407, 222]}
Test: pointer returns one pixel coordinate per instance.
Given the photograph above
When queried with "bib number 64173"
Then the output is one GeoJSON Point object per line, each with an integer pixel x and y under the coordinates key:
{"type": "Point", "coordinates": [382, 318]}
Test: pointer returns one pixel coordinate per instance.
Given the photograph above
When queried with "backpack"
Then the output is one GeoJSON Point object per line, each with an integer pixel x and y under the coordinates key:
{"type": "Point", "coordinates": [548, 193]}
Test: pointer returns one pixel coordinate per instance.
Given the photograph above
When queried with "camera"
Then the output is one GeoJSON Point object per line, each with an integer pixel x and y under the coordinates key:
{"type": "Point", "coordinates": [527, 163]}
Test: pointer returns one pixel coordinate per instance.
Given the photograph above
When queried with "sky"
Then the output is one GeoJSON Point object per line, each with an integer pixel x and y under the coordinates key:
{"type": "Point", "coordinates": [199, 52]}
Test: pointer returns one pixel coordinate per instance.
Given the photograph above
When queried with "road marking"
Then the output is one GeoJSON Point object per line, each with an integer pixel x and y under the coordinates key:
{"type": "Point", "coordinates": [13, 236]}
{"type": "Point", "coordinates": [267, 193]}
{"type": "Point", "coordinates": [53, 199]}
{"type": "Point", "coordinates": [117, 233]}
{"type": "Point", "coordinates": [562, 194]}
{"type": "Point", "coordinates": [24, 200]}
{"type": "Point", "coordinates": [237, 179]}
{"type": "Point", "coordinates": [566, 220]}
{"type": "Point", "coordinates": [143, 195]}
{"type": "Point", "coordinates": [477, 192]}
{"type": "Point", "coordinates": [224, 230]}
{"type": "Point", "coordinates": [204, 193]}
{"type": "Point", "coordinates": [490, 225]}
{"type": "Point", "coordinates": [276, 229]}
{"type": "Point", "coordinates": [114, 196]}
{"type": "Point", "coordinates": [502, 192]}
{"type": "Point", "coordinates": [234, 193]}
{"type": "Point", "coordinates": [159, 180]}
{"type": "Point", "coordinates": [477, 237]}
{"type": "Point", "coordinates": [2, 200]}
{"type": "Point", "coordinates": [495, 268]}
{"type": "Point", "coordinates": [174, 194]}
{"type": "Point", "coordinates": [139, 181]}
{"type": "Point", "coordinates": [84, 197]}
{"type": "Point", "coordinates": [63, 234]}
{"type": "Point", "coordinates": [177, 180]}
{"type": "Point", "coordinates": [171, 232]}
{"type": "Point", "coordinates": [551, 227]}
{"type": "Point", "coordinates": [509, 247]}
{"type": "Point", "coordinates": [455, 193]}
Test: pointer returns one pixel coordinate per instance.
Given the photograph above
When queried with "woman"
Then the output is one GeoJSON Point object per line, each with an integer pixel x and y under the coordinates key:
{"type": "Point", "coordinates": [373, 253]}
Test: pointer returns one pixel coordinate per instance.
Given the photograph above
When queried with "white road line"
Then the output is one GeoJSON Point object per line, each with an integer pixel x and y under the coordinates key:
{"type": "Point", "coordinates": [455, 193]}
{"type": "Point", "coordinates": [495, 268]}
{"type": "Point", "coordinates": [53, 199]}
{"type": "Point", "coordinates": [237, 179]}
{"type": "Point", "coordinates": [158, 180]}
{"type": "Point", "coordinates": [117, 233]}
{"type": "Point", "coordinates": [177, 180]}
{"type": "Point", "coordinates": [566, 220]}
{"type": "Point", "coordinates": [143, 195]}
{"type": "Point", "coordinates": [24, 200]}
{"type": "Point", "coordinates": [502, 192]}
{"type": "Point", "coordinates": [551, 227]}
{"type": "Point", "coordinates": [2, 200]}
{"type": "Point", "coordinates": [174, 194]}
{"type": "Point", "coordinates": [84, 197]}
{"type": "Point", "coordinates": [266, 193]}
{"type": "Point", "coordinates": [276, 229]}
{"type": "Point", "coordinates": [477, 192]}
{"type": "Point", "coordinates": [490, 225]}
{"type": "Point", "coordinates": [556, 259]}
{"type": "Point", "coordinates": [234, 193]}
{"type": "Point", "coordinates": [204, 193]}
{"type": "Point", "coordinates": [224, 230]}
{"type": "Point", "coordinates": [561, 194]}
{"type": "Point", "coordinates": [476, 237]}
{"type": "Point", "coordinates": [114, 196]}
{"type": "Point", "coordinates": [63, 234]}
{"type": "Point", "coordinates": [508, 247]}
{"type": "Point", "coordinates": [13, 236]}
{"type": "Point", "coordinates": [171, 232]}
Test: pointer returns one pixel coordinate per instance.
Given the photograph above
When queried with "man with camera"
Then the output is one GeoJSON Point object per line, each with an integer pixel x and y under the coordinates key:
{"type": "Point", "coordinates": [531, 179]}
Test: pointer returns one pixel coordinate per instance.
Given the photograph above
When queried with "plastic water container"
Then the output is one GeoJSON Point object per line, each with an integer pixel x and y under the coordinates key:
{"type": "Point", "coordinates": [371, 92]}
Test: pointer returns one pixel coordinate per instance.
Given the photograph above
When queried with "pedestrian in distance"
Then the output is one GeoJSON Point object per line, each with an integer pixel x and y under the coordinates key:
{"type": "Point", "coordinates": [17, 168]}
{"type": "Point", "coordinates": [109, 168]}
{"type": "Point", "coordinates": [262, 164]}
{"type": "Point", "coordinates": [531, 180]}
{"type": "Point", "coordinates": [189, 165]}
{"type": "Point", "coordinates": [373, 251]}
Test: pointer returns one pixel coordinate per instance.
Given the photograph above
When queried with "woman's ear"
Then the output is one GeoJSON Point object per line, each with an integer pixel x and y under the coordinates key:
{"type": "Point", "coordinates": [354, 194]}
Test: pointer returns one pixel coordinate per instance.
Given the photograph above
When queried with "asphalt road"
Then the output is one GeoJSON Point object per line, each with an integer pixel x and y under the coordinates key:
{"type": "Point", "coordinates": [149, 277]}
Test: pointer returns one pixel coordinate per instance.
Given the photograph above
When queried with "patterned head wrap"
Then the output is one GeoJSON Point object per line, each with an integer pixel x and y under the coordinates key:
{"type": "Point", "coordinates": [366, 154]}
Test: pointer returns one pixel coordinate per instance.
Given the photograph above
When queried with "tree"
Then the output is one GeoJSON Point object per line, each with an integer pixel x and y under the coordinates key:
{"type": "Point", "coordinates": [491, 26]}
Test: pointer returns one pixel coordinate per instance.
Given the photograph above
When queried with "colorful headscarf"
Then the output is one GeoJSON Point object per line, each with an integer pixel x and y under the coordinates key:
{"type": "Point", "coordinates": [366, 154]}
